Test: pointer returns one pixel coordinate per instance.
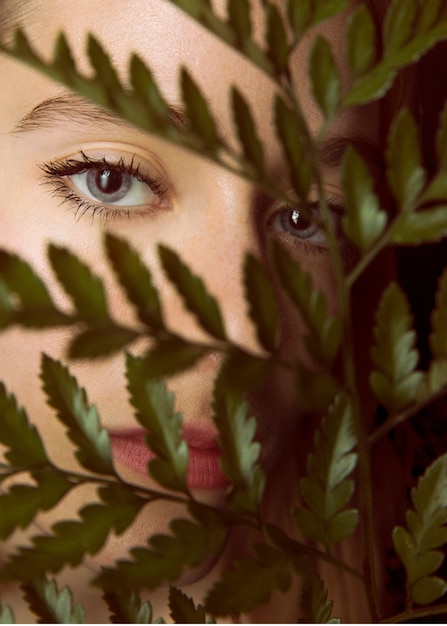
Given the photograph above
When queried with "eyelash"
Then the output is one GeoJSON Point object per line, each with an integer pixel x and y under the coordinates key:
{"type": "Point", "coordinates": [57, 171]}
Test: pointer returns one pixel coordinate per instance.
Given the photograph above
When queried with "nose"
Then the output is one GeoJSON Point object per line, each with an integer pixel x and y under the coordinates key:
{"type": "Point", "coordinates": [222, 230]}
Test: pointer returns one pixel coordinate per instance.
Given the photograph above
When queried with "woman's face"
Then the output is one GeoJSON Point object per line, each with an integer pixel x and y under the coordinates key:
{"type": "Point", "coordinates": [208, 216]}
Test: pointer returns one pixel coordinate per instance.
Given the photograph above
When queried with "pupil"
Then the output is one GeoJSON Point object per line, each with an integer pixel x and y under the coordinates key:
{"type": "Point", "coordinates": [109, 181]}
{"type": "Point", "coordinates": [297, 221]}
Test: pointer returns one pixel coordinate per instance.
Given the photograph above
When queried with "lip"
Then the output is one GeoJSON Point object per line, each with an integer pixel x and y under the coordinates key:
{"type": "Point", "coordinates": [204, 471]}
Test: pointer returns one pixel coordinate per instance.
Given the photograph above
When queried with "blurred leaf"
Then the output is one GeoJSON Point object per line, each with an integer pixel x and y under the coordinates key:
{"type": "Point", "coordinates": [325, 80]}
{"type": "Point", "coordinates": [326, 489]}
{"type": "Point", "coordinates": [126, 608]}
{"type": "Point", "coordinates": [21, 503]}
{"type": "Point", "coordinates": [155, 411]}
{"type": "Point", "coordinates": [188, 545]}
{"type": "Point", "coordinates": [194, 293]}
{"type": "Point", "coordinates": [429, 589]}
{"type": "Point", "coordinates": [71, 540]}
{"type": "Point", "coordinates": [325, 9]}
{"type": "Point", "coordinates": [316, 390]}
{"type": "Point", "coordinates": [361, 40]}
{"type": "Point", "coordinates": [198, 113]}
{"type": "Point", "coordinates": [102, 64]}
{"type": "Point", "coordinates": [183, 609]}
{"type": "Point", "coordinates": [84, 288]}
{"type": "Point", "coordinates": [25, 447]}
{"type": "Point", "coordinates": [276, 39]}
{"type": "Point", "coordinates": [243, 372]}
{"type": "Point", "coordinates": [36, 308]}
{"type": "Point", "coordinates": [50, 605]}
{"type": "Point", "coordinates": [246, 128]}
{"type": "Point", "coordinates": [436, 189]}
{"type": "Point", "coordinates": [314, 605]}
{"type": "Point", "coordinates": [441, 140]}
{"type": "Point", "coordinates": [80, 418]}
{"type": "Point", "coordinates": [136, 280]}
{"type": "Point", "coordinates": [398, 25]}
{"type": "Point", "coordinates": [170, 356]}
{"type": "Point", "coordinates": [239, 15]}
{"type": "Point", "coordinates": [291, 135]}
{"type": "Point", "coordinates": [405, 173]}
{"type": "Point", "coordinates": [6, 615]}
{"type": "Point", "coordinates": [323, 341]}
{"type": "Point", "coordinates": [427, 531]}
{"type": "Point", "coordinates": [261, 299]}
{"type": "Point", "coordinates": [300, 16]}
{"type": "Point", "coordinates": [395, 380]}
{"type": "Point", "coordinates": [250, 582]}
{"type": "Point", "coordinates": [144, 85]}
{"type": "Point", "coordinates": [428, 15]}
{"type": "Point", "coordinates": [240, 453]}
{"type": "Point", "coordinates": [101, 340]}
{"type": "Point", "coordinates": [438, 336]}
{"type": "Point", "coordinates": [424, 226]}
{"type": "Point", "coordinates": [364, 221]}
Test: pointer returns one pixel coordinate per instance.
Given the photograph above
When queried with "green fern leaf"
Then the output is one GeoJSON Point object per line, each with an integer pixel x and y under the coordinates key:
{"type": "Point", "coordinates": [183, 609]}
{"type": "Point", "coordinates": [147, 91]}
{"type": "Point", "coordinates": [361, 41]}
{"type": "Point", "coordinates": [250, 582]}
{"type": "Point", "coordinates": [417, 547]}
{"type": "Point", "coordinates": [36, 308]}
{"type": "Point", "coordinates": [441, 140]}
{"type": "Point", "coordinates": [63, 57]}
{"type": "Point", "coordinates": [429, 13]}
{"type": "Point", "coordinates": [193, 291]}
{"type": "Point", "coordinates": [314, 605]}
{"type": "Point", "coordinates": [23, 442]}
{"type": "Point", "coordinates": [126, 608]}
{"type": "Point", "coordinates": [246, 128]}
{"type": "Point", "coordinates": [405, 173]}
{"type": "Point", "coordinates": [424, 226]}
{"type": "Point", "coordinates": [21, 503]}
{"type": "Point", "coordinates": [323, 341]}
{"type": "Point", "coordinates": [84, 288]}
{"type": "Point", "coordinates": [240, 453]}
{"type": "Point", "coordinates": [50, 605]}
{"type": "Point", "coordinates": [395, 380]}
{"type": "Point", "coordinates": [80, 418]}
{"type": "Point", "coordinates": [398, 25]}
{"type": "Point", "coordinates": [300, 16]}
{"type": "Point", "coordinates": [239, 15]}
{"type": "Point", "coordinates": [6, 615]}
{"type": "Point", "coordinates": [276, 39]}
{"type": "Point", "coordinates": [326, 489]}
{"type": "Point", "coordinates": [291, 136]}
{"type": "Point", "coordinates": [188, 546]}
{"type": "Point", "coordinates": [102, 64]}
{"type": "Point", "coordinates": [136, 280]}
{"type": "Point", "coordinates": [325, 9]}
{"type": "Point", "coordinates": [71, 540]}
{"type": "Point", "coordinates": [316, 390]}
{"type": "Point", "coordinates": [325, 79]}
{"type": "Point", "coordinates": [242, 372]}
{"type": "Point", "coordinates": [438, 336]}
{"type": "Point", "coordinates": [99, 341]}
{"type": "Point", "coordinates": [261, 300]}
{"type": "Point", "coordinates": [170, 356]}
{"type": "Point", "coordinates": [364, 221]}
{"type": "Point", "coordinates": [155, 411]}
{"type": "Point", "coordinates": [198, 113]}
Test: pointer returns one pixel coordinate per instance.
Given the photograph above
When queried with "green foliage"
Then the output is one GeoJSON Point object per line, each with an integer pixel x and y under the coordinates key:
{"type": "Point", "coordinates": [6, 615]}
{"type": "Point", "coordinates": [315, 607]}
{"type": "Point", "coordinates": [194, 293]}
{"type": "Point", "coordinates": [51, 605]}
{"type": "Point", "coordinates": [418, 546]}
{"type": "Point", "coordinates": [80, 418]}
{"type": "Point", "coordinates": [154, 406]}
{"type": "Point", "coordinates": [326, 490]}
{"type": "Point", "coordinates": [395, 381]}
{"type": "Point", "coordinates": [410, 29]}
{"type": "Point", "coordinates": [364, 221]}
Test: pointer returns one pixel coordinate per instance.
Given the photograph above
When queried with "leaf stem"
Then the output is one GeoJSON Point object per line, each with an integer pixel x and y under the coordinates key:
{"type": "Point", "coordinates": [414, 614]}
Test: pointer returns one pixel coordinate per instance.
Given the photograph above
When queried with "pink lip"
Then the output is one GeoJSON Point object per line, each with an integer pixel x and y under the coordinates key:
{"type": "Point", "coordinates": [204, 471]}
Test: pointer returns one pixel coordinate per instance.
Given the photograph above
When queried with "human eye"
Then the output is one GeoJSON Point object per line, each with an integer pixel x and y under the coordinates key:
{"type": "Point", "coordinates": [302, 222]}
{"type": "Point", "coordinates": [105, 186]}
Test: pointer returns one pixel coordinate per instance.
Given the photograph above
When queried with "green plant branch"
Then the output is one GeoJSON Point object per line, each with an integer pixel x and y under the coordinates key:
{"type": "Point", "coordinates": [415, 614]}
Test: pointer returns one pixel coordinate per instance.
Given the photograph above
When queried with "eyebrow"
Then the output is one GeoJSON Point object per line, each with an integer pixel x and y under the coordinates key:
{"type": "Point", "coordinates": [74, 108]}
